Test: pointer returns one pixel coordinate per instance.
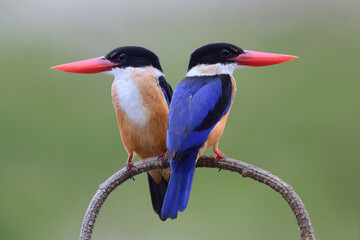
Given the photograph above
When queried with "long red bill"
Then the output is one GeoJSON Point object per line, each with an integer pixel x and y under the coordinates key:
{"type": "Point", "coordinates": [92, 65]}
{"type": "Point", "coordinates": [259, 59]}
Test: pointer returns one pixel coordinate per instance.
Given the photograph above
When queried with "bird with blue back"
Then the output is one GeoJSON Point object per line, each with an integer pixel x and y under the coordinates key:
{"type": "Point", "coordinates": [141, 96]}
{"type": "Point", "coordinates": [199, 110]}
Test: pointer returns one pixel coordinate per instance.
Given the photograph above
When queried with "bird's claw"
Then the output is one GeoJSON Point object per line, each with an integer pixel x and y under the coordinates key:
{"type": "Point", "coordinates": [129, 165]}
{"type": "Point", "coordinates": [219, 155]}
{"type": "Point", "coordinates": [163, 158]}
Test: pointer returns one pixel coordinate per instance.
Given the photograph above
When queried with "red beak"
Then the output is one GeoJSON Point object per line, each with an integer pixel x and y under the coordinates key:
{"type": "Point", "coordinates": [259, 59]}
{"type": "Point", "coordinates": [92, 65]}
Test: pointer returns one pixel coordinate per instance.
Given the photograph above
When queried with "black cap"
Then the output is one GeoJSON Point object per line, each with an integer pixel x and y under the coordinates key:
{"type": "Point", "coordinates": [214, 53]}
{"type": "Point", "coordinates": [133, 56]}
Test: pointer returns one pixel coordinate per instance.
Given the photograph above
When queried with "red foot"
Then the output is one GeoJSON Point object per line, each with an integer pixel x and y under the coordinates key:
{"type": "Point", "coordinates": [129, 165]}
{"type": "Point", "coordinates": [219, 155]}
{"type": "Point", "coordinates": [163, 158]}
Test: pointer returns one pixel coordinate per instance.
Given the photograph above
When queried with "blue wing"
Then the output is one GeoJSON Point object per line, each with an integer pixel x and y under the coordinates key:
{"type": "Point", "coordinates": [197, 106]}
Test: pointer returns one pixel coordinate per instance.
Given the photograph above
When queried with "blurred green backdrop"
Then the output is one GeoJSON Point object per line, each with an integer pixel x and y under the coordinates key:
{"type": "Point", "coordinates": [300, 120]}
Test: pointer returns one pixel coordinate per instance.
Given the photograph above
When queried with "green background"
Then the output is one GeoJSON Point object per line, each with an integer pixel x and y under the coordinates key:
{"type": "Point", "coordinates": [299, 120]}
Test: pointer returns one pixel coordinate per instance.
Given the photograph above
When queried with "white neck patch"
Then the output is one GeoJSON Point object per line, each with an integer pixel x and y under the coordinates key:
{"type": "Point", "coordinates": [130, 98]}
{"type": "Point", "coordinates": [212, 69]}
{"type": "Point", "coordinates": [116, 72]}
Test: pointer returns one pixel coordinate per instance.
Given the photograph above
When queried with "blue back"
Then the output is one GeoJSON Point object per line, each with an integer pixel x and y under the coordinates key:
{"type": "Point", "coordinates": [197, 106]}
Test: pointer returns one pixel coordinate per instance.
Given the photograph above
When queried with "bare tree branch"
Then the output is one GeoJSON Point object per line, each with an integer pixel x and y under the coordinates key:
{"type": "Point", "coordinates": [245, 169]}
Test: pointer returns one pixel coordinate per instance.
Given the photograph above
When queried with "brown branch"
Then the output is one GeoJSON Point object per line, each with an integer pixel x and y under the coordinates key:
{"type": "Point", "coordinates": [245, 169]}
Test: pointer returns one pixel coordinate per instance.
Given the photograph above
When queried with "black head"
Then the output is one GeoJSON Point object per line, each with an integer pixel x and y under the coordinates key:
{"type": "Point", "coordinates": [132, 56]}
{"type": "Point", "coordinates": [214, 53]}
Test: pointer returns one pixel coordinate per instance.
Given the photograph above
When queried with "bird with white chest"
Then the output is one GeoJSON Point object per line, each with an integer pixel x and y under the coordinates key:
{"type": "Point", "coordinates": [141, 98]}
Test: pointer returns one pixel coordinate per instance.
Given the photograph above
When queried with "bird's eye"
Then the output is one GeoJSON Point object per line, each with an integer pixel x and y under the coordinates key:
{"type": "Point", "coordinates": [225, 53]}
{"type": "Point", "coordinates": [122, 56]}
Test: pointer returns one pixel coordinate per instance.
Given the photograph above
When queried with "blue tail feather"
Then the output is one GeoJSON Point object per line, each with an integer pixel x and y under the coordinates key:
{"type": "Point", "coordinates": [187, 192]}
{"type": "Point", "coordinates": [179, 187]}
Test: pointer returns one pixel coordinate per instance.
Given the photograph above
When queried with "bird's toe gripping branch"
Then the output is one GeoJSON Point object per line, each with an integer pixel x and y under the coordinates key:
{"type": "Point", "coordinates": [163, 158]}
{"type": "Point", "coordinates": [129, 165]}
{"type": "Point", "coordinates": [219, 155]}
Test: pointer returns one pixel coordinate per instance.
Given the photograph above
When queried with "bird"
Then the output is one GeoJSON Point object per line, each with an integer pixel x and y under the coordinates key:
{"type": "Point", "coordinates": [199, 110]}
{"type": "Point", "coordinates": [141, 96]}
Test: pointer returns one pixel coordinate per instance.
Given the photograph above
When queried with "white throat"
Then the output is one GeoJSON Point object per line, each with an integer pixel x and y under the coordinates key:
{"type": "Point", "coordinates": [130, 99]}
{"type": "Point", "coordinates": [119, 72]}
{"type": "Point", "coordinates": [212, 69]}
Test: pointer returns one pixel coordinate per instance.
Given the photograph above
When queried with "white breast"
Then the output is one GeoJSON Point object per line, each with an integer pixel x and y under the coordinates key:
{"type": "Point", "coordinates": [129, 96]}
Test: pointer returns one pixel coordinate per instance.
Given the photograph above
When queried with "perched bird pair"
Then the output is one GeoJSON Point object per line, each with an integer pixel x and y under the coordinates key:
{"type": "Point", "coordinates": [194, 121]}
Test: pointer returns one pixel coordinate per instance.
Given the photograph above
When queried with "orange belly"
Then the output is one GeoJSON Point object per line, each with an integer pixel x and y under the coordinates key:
{"type": "Point", "coordinates": [146, 140]}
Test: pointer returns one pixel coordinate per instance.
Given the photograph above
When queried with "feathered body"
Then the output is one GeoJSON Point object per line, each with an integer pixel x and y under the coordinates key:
{"type": "Point", "coordinates": [199, 110]}
{"type": "Point", "coordinates": [142, 113]}
{"type": "Point", "coordinates": [194, 126]}
{"type": "Point", "coordinates": [141, 96]}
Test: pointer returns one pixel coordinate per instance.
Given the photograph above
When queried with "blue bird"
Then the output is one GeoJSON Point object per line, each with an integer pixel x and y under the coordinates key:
{"type": "Point", "coordinates": [199, 110]}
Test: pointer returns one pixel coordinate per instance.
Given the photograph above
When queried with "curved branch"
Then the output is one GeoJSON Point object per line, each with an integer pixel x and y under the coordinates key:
{"type": "Point", "coordinates": [245, 169]}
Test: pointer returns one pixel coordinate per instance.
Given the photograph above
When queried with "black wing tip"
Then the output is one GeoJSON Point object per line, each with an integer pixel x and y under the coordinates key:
{"type": "Point", "coordinates": [157, 194]}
